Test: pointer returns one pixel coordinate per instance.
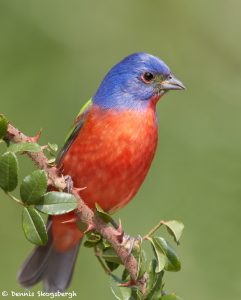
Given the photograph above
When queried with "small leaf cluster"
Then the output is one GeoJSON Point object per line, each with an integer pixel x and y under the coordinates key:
{"type": "Point", "coordinates": [34, 195]}
{"type": "Point", "coordinates": [153, 268]}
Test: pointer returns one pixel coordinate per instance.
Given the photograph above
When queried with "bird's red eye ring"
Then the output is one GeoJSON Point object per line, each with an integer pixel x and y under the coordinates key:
{"type": "Point", "coordinates": [147, 77]}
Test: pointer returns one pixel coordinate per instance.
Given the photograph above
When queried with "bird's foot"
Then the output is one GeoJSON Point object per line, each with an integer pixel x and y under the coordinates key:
{"type": "Point", "coordinates": [69, 184]}
{"type": "Point", "coordinates": [132, 243]}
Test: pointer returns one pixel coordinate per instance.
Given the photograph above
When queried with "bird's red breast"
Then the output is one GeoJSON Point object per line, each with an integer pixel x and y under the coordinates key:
{"type": "Point", "coordinates": [110, 157]}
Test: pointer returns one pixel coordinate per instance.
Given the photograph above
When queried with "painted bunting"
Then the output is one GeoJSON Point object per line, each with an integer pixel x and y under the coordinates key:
{"type": "Point", "coordinates": [108, 153]}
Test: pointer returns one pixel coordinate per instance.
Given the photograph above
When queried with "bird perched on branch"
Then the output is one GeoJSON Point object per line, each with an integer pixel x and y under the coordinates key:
{"type": "Point", "coordinates": [109, 152]}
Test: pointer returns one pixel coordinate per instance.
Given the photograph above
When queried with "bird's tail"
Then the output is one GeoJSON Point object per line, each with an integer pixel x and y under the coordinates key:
{"type": "Point", "coordinates": [53, 267]}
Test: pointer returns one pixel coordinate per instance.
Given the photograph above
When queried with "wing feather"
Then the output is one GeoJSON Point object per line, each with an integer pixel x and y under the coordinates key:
{"type": "Point", "coordinates": [75, 129]}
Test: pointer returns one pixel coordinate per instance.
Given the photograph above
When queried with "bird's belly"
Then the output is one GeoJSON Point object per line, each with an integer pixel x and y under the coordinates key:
{"type": "Point", "coordinates": [110, 159]}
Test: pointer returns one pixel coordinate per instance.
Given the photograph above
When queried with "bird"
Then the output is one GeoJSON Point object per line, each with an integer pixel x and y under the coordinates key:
{"type": "Point", "coordinates": [107, 154]}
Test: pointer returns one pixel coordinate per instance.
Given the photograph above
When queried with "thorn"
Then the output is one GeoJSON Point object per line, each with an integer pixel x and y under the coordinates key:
{"type": "Point", "coordinates": [35, 138]}
{"type": "Point", "coordinates": [120, 228]}
{"type": "Point", "coordinates": [119, 233]}
{"type": "Point", "coordinates": [128, 283]}
{"type": "Point", "coordinates": [80, 189]}
{"type": "Point", "coordinates": [50, 182]}
{"type": "Point", "coordinates": [73, 220]}
{"type": "Point", "coordinates": [89, 228]}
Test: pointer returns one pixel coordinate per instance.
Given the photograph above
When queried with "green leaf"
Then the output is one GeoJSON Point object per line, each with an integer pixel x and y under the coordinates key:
{"type": "Point", "coordinates": [151, 274]}
{"type": "Point", "coordinates": [156, 290]}
{"type": "Point", "coordinates": [57, 203]}
{"type": "Point", "coordinates": [125, 293]}
{"type": "Point", "coordinates": [112, 266]}
{"type": "Point", "coordinates": [51, 161]}
{"type": "Point", "coordinates": [116, 279]}
{"type": "Point", "coordinates": [8, 171]}
{"type": "Point", "coordinates": [170, 297]}
{"type": "Point", "coordinates": [138, 295]}
{"type": "Point", "coordinates": [81, 225]}
{"type": "Point", "coordinates": [3, 126]}
{"type": "Point", "coordinates": [102, 214]}
{"type": "Point", "coordinates": [110, 255]}
{"type": "Point", "coordinates": [120, 292]}
{"type": "Point", "coordinates": [160, 255]}
{"type": "Point", "coordinates": [125, 275]}
{"type": "Point", "coordinates": [172, 262]}
{"type": "Point", "coordinates": [141, 264]}
{"type": "Point", "coordinates": [90, 244]}
{"type": "Point", "coordinates": [22, 147]}
{"type": "Point", "coordinates": [33, 187]}
{"type": "Point", "coordinates": [175, 228]}
{"type": "Point", "coordinates": [34, 227]}
{"type": "Point", "coordinates": [92, 241]}
{"type": "Point", "coordinates": [53, 147]}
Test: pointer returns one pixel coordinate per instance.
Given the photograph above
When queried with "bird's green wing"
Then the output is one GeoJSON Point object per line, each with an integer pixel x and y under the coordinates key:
{"type": "Point", "coordinates": [74, 130]}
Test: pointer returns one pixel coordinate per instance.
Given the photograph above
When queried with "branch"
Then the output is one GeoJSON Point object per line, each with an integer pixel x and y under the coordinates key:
{"type": "Point", "coordinates": [85, 214]}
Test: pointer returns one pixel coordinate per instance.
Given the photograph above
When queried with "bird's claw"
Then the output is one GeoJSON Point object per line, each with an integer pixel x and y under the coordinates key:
{"type": "Point", "coordinates": [131, 243]}
{"type": "Point", "coordinates": [69, 184]}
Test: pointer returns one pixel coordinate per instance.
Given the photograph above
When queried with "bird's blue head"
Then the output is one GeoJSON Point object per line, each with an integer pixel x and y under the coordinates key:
{"type": "Point", "coordinates": [134, 82]}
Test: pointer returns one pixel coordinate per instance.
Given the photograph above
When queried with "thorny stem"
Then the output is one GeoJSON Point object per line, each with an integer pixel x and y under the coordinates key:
{"type": "Point", "coordinates": [86, 215]}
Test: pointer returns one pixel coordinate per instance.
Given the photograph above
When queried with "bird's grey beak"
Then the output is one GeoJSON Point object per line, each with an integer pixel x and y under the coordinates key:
{"type": "Point", "coordinates": [172, 83]}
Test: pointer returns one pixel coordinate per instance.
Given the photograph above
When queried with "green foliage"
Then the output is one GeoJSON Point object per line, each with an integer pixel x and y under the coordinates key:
{"type": "Point", "coordinates": [155, 290]}
{"type": "Point", "coordinates": [33, 195]}
{"type": "Point", "coordinates": [57, 203]}
{"type": "Point", "coordinates": [33, 226]}
{"type": "Point", "coordinates": [92, 240]}
{"type": "Point", "coordinates": [166, 254]}
{"type": "Point", "coordinates": [165, 260]}
{"type": "Point", "coordinates": [53, 148]}
{"type": "Point", "coordinates": [109, 255]}
{"type": "Point", "coordinates": [24, 147]}
{"type": "Point", "coordinates": [102, 214]}
{"type": "Point", "coordinates": [33, 187]}
{"type": "Point", "coordinates": [8, 171]}
{"type": "Point", "coordinates": [161, 258]}
{"type": "Point", "coordinates": [3, 126]}
{"type": "Point", "coordinates": [175, 228]}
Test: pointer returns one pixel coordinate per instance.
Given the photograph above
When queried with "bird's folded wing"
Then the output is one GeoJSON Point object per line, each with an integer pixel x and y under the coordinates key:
{"type": "Point", "coordinates": [73, 132]}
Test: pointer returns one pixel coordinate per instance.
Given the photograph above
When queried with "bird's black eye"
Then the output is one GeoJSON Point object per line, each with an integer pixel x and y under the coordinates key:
{"type": "Point", "coordinates": [147, 77]}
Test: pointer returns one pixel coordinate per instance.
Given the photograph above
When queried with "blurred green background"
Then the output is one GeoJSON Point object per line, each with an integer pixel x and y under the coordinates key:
{"type": "Point", "coordinates": [53, 55]}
